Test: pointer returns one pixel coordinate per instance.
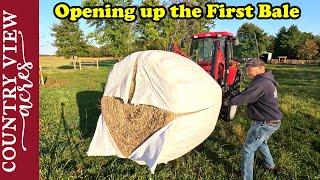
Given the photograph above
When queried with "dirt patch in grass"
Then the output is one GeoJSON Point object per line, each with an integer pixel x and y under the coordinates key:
{"type": "Point", "coordinates": [239, 132]}
{"type": "Point", "coordinates": [52, 83]}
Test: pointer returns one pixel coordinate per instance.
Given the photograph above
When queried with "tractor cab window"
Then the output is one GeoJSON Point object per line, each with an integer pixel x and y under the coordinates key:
{"type": "Point", "coordinates": [202, 49]}
{"type": "Point", "coordinates": [228, 50]}
{"type": "Point", "coordinates": [208, 47]}
{"type": "Point", "coordinates": [196, 50]}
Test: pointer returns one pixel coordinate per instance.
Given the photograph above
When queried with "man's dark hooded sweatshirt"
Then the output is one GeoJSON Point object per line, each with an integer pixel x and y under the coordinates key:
{"type": "Point", "coordinates": [262, 98]}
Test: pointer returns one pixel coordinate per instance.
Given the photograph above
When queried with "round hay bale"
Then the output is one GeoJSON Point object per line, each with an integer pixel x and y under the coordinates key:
{"type": "Point", "coordinates": [156, 107]}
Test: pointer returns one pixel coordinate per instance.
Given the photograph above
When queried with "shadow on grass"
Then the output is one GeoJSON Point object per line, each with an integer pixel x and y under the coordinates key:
{"type": "Point", "coordinates": [103, 86]}
{"type": "Point", "coordinates": [45, 67]}
{"type": "Point", "coordinates": [108, 63]}
{"type": "Point", "coordinates": [53, 149]}
{"type": "Point", "coordinates": [65, 67]}
{"type": "Point", "coordinates": [316, 145]}
{"type": "Point", "coordinates": [88, 103]}
{"type": "Point", "coordinates": [58, 148]}
{"type": "Point", "coordinates": [214, 155]}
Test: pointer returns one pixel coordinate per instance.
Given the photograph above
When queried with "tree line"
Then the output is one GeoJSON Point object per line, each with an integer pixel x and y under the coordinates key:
{"type": "Point", "coordinates": [290, 42]}
{"type": "Point", "coordinates": [117, 38]}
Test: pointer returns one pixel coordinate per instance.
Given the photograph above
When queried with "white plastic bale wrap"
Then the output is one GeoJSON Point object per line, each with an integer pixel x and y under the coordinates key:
{"type": "Point", "coordinates": [171, 82]}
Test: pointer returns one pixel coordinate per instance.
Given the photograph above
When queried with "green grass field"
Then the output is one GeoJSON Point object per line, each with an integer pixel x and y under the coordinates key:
{"type": "Point", "coordinates": [69, 106]}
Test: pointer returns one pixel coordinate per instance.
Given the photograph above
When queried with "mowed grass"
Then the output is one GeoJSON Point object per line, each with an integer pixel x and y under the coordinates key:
{"type": "Point", "coordinates": [69, 107]}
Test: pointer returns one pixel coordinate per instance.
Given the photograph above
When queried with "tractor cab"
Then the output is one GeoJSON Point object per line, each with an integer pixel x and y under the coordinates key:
{"type": "Point", "coordinates": [213, 51]}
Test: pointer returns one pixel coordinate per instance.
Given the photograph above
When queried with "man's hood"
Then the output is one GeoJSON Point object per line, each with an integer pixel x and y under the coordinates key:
{"type": "Point", "coordinates": [268, 75]}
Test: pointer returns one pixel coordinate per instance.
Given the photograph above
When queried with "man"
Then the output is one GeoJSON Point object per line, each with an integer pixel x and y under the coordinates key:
{"type": "Point", "coordinates": [263, 110]}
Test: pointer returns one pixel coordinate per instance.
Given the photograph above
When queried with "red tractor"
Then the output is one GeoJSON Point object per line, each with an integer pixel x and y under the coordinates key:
{"type": "Point", "coordinates": [213, 51]}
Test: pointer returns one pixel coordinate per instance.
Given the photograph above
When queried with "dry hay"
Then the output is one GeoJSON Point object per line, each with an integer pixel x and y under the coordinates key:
{"type": "Point", "coordinates": [52, 83]}
{"type": "Point", "coordinates": [130, 125]}
{"type": "Point", "coordinates": [239, 131]}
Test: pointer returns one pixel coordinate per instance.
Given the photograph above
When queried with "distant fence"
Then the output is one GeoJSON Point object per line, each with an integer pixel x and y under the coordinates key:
{"type": "Point", "coordinates": [50, 64]}
{"type": "Point", "coordinates": [59, 63]}
{"type": "Point", "coordinates": [295, 61]}
{"type": "Point", "coordinates": [80, 63]}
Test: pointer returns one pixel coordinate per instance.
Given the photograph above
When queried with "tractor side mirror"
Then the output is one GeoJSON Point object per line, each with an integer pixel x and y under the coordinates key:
{"type": "Point", "coordinates": [236, 41]}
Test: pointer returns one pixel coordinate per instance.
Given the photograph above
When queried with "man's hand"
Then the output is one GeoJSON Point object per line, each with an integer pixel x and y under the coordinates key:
{"type": "Point", "coordinates": [227, 102]}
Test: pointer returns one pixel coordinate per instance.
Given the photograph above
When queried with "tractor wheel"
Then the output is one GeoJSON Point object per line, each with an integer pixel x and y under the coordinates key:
{"type": "Point", "coordinates": [232, 111]}
{"type": "Point", "coordinates": [227, 113]}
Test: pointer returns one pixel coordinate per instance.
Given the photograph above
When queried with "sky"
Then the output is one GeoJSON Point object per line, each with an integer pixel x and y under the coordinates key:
{"type": "Point", "coordinates": [308, 22]}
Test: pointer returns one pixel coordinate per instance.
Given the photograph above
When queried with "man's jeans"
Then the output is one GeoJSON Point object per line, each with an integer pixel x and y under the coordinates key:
{"type": "Point", "coordinates": [257, 137]}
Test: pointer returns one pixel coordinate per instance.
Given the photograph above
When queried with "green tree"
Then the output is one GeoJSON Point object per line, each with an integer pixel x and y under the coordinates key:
{"type": "Point", "coordinates": [159, 35]}
{"type": "Point", "coordinates": [307, 35]}
{"type": "Point", "coordinates": [93, 51]}
{"type": "Point", "coordinates": [317, 39]}
{"type": "Point", "coordinates": [149, 34]}
{"type": "Point", "coordinates": [288, 41]}
{"type": "Point", "coordinates": [114, 34]}
{"type": "Point", "coordinates": [293, 41]}
{"type": "Point", "coordinates": [121, 38]}
{"type": "Point", "coordinates": [251, 36]}
{"type": "Point", "coordinates": [308, 49]}
{"type": "Point", "coordinates": [270, 46]}
{"type": "Point", "coordinates": [309, 44]}
{"type": "Point", "coordinates": [279, 49]}
{"type": "Point", "coordinates": [69, 39]}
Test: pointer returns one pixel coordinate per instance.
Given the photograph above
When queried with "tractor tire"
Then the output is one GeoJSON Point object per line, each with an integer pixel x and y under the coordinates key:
{"type": "Point", "coordinates": [232, 111]}
{"type": "Point", "coordinates": [227, 113]}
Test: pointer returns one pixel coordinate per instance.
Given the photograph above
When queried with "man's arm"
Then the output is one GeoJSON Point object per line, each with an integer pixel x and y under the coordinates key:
{"type": "Point", "coordinates": [250, 95]}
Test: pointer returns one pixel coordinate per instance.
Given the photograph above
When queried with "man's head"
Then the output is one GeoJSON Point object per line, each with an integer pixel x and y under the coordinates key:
{"type": "Point", "coordinates": [254, 67]}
